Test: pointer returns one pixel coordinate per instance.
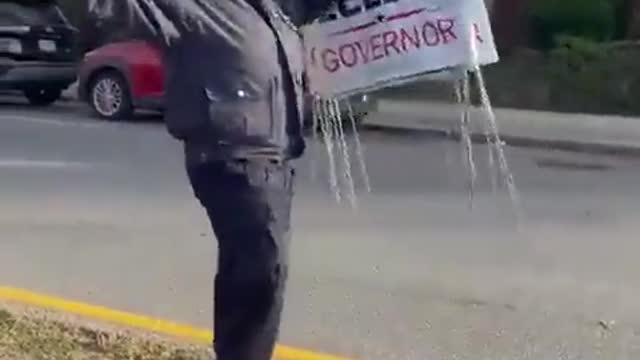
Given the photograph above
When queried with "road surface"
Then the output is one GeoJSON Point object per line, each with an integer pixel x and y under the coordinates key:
{"type": "Point", "coordinates": [102, 213]}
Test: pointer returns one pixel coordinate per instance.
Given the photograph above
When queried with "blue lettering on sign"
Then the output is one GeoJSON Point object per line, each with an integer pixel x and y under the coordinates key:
{"type": "Point", "coordinates": [349, 8]}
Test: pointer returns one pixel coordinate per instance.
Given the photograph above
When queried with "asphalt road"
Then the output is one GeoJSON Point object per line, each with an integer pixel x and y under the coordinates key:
{"type": "Point", "coordinates": [102, 213]}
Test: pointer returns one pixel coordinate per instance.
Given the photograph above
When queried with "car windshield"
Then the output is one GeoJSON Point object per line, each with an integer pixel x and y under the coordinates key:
{"type": "Point", "coordinates": [17, 14]}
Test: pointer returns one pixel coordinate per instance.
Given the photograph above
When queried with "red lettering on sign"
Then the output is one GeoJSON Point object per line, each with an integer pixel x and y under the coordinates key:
{"type": "Point", "coordinates": [476, 28]}
{"type": "Point", "coordinates": [364, 51]}
{"type": "Point", "coordinates": [430, 34]}
{"type": "Point", "coordinates": [376, 46]}
{"type": "Point", "coordinates": [348, 55]}
{"type": "Point", "coordinates": [445, 26]}
{"type": "Point", "coordinates": [330, 64]}
{"type": "Point", "coordinates": [406, 37]}
{"type": "Point", "coordinates": [312, 54]}
{"type": "Point", "coordinates": [390, 41]}
{"type": "Point", "coordinates": [381, 45]}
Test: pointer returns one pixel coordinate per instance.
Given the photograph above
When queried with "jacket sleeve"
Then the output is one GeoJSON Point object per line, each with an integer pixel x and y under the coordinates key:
{"type": "Point", "coordinates": [150, 20]}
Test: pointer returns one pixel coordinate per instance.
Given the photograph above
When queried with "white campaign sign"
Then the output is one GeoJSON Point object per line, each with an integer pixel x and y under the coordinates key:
{"type": "Point", "coordinates": [370, 44]}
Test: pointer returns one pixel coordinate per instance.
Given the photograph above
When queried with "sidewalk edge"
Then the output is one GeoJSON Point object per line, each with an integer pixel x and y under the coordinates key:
{"type": "Point", "coordinates": [448, 128]}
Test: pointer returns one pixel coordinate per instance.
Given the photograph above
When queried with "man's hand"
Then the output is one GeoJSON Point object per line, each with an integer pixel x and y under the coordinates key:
{"type": "Point", "coordinates": [152, 20]}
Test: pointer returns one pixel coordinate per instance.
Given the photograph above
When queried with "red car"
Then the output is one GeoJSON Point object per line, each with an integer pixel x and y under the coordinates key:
{"type": "Point", "coordinates": [118, 78]}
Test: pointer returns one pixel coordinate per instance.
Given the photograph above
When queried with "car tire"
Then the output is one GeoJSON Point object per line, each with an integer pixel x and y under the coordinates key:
{"type": "Point", "coordinates": [42, 96]}
{"type": "Point", "coordinates": [109, 96]}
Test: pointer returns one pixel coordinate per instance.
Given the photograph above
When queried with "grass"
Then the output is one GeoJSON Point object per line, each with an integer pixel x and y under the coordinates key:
{"type": "Point", "coordinates": [35, 335]}
{"type": "Point", "coordinates": [582, 78]}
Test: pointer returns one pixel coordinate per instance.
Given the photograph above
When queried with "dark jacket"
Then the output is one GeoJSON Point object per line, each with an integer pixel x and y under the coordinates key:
{"type": "Point", "coordinates": [234, 71]}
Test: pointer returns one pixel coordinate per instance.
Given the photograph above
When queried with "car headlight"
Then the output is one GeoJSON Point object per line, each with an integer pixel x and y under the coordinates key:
{"type": "Point", "coordinates": [10, 45]}
{"type": "Point", "coordinates": [15, 47]}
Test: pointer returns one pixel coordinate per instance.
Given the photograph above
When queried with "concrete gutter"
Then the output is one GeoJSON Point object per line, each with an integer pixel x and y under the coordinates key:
{"type": "Point", "coordinates": [578, 132]}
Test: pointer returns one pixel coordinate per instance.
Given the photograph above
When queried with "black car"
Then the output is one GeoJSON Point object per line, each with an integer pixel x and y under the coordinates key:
{"type": "Point", "coordinates": [37, 50]}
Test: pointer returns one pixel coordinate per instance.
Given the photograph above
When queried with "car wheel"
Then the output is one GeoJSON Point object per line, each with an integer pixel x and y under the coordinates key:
{"type": "Point", "coordinates": [42, 97]}
{"type": "Point", "coordinates": [109, 96]}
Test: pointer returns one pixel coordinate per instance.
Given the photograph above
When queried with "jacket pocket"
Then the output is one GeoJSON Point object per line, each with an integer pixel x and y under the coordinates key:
{"type": "Point", "coordinates": [243, 115]}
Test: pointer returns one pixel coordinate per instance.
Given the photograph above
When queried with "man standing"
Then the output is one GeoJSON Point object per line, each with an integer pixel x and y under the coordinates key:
{"type": "Point", "coordinates": [234, 98]}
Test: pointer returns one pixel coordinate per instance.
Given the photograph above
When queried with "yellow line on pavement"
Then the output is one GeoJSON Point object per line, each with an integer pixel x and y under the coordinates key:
{"type": "Point", "coordinates": [205, 336]}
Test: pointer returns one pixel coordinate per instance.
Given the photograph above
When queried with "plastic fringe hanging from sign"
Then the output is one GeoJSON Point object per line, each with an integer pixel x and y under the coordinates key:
{"type": "Point", "coordinates": [463, 97]}
{"type": "Point", "coordinates": [391, 43]}
{"type": "Point", "coordinates": [329, 121]}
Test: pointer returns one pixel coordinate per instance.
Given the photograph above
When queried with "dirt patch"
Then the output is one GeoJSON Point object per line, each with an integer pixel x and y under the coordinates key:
{"type": "Point", "coordinates": [28, 334]}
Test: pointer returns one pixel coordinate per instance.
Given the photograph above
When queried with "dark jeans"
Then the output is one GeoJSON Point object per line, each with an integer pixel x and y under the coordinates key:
{"type": "Point", "coordinates": [249, 205]}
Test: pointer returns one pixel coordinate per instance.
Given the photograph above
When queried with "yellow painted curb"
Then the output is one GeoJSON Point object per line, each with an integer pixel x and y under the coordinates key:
{"type": "Point", "coordinates": [138, 321]}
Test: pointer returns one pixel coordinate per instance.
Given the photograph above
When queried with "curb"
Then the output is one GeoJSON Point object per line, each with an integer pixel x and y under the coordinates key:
{"type": "Point", "coordinates": [600, 134]}
{"type": "Point", "coordinates": [116, 317]}
{"type": "Point", "coordinates": [566, 145]}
